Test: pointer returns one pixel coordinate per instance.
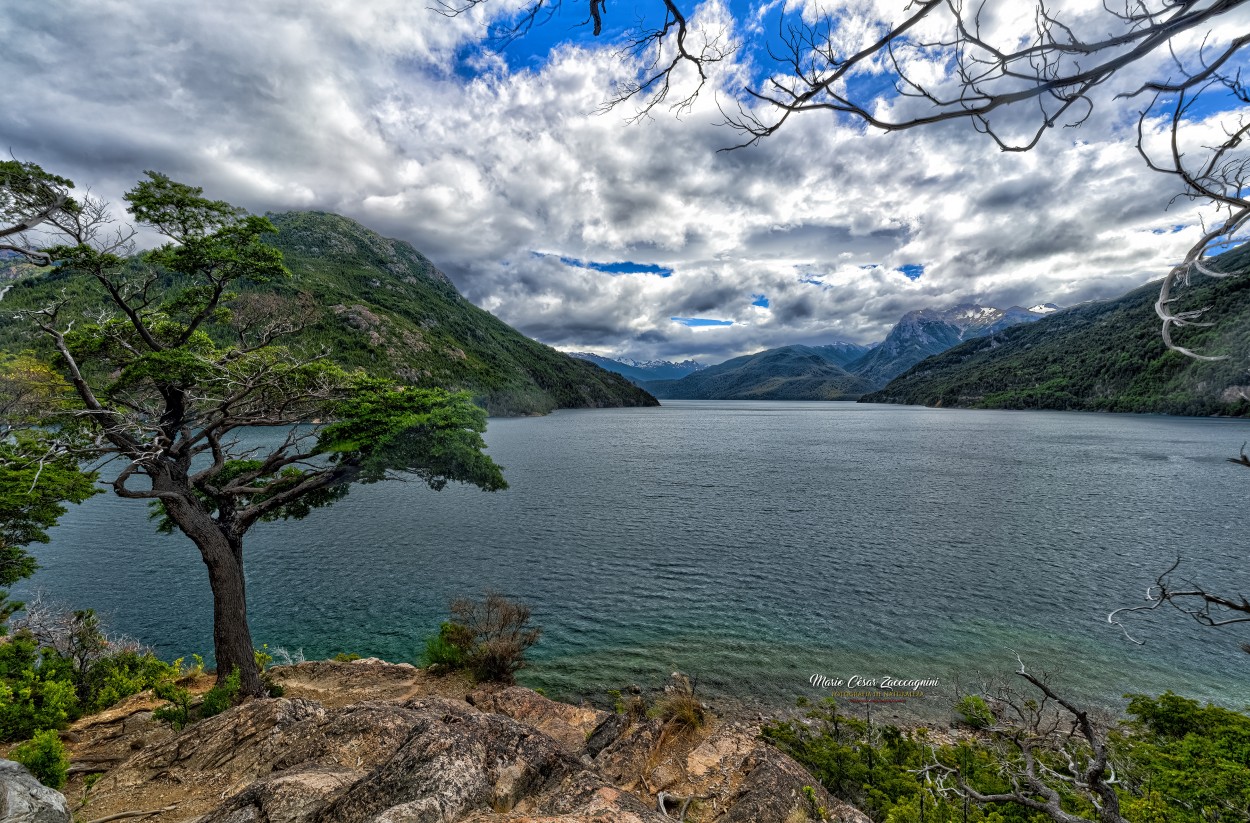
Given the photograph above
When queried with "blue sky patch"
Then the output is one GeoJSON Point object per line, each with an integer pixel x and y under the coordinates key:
{"type": "Point", "coordinates": [700, 321]}
{"type": "Point", "coordinates": [760, 300]}
{"type": "Point", "coordinates": [569, 24]}
{"type": "Point", "coordinates": [624, 267]}
{"type": "Point", "coordinates": [912, 271]}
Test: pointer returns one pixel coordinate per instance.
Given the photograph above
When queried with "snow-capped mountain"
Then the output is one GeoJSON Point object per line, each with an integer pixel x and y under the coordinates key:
{"type": "Point", "coordinates": [925, 332]}
{"type": "Point", "coordinates": [640, 371]}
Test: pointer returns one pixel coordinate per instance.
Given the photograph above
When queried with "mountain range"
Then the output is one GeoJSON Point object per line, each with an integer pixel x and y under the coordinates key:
{"type": "Point", "coordinates": [1102, 356]}
{"type": "Point", "coordinates": [640, 372]}
{"type": "Point", "coordinates": [843, 371]}
{"type": "Point", "coordinates": [786, 373]}
{"type": "Point", "coordinates": [381, 305]}
{"type": "Point", "coordinates": [925, 332]}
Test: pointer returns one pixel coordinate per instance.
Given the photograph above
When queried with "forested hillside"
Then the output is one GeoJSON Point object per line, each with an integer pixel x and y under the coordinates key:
{"type": "Point", "coordinates": [1104, 356]}
{"type": "Point", "coordinates": [379, 304]}
{"type": "Point", "coordinates": [786, 373]}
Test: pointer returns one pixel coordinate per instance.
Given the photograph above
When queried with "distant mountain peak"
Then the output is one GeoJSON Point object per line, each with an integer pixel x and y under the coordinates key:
{"type": "Point", "coordinates": [641, 371]}
{"type": "Point", "coordinates": [925, 332]}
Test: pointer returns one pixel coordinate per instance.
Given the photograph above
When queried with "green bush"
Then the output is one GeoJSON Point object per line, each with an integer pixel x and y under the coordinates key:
{"type": "Point", "coordinates": [346, 657]}
{"type": "Point", "coordinates": [974, 712]}
{"type": "Point", "coordinates": [44, 756]}
{"type": "Point", "coordinates": [112, 678]}
{"type": "Point", "coordinates": [1183, 762]}
{"type": "Point", "coordinates": [221, 697]}
{"type": "Point", "coordinates": [178, 712]}
{"type": "Point", "coordinates": [448, 648]}
{"type": "Point", "coordinates": [488, 638]}
{"type": "Point", "coordinates": [36, 689]}
{"type": "Point", "coordinates": [71, 670]}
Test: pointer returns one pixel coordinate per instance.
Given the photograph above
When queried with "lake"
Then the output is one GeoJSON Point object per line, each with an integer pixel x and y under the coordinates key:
{"type": "Point", "coordinates": [751, 545]}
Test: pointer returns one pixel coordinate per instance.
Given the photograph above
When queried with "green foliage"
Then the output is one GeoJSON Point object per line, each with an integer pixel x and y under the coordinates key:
{"type": "Point", "coordinates": [178, 712]}
{"type": "Point", "coordinates": [37, 478]}
{"type": "Point", "coordinates": [487, 638]}
{"type": "Point", "coordinates": [1175, 761]}
{"type": "Point", "coordinates": [346, 657]}
{"type": "Point", "coordinates": [634, 705]}
{"type": "Point", "coordinates": [809, 794]}
{"type": "Point", "coordinates": [221, 697]}
{"type": "Point", "coordinates": [1104, 356]}
{"type": "Point", "coordinates": [974, 712]}
{"type": "Point", "coordinates": [36, 689]}
{"type": "Point", "coordinates": [875, 767]}
{"type": "Point", "coordinates": [431, 433]}
{"type": "Point", "coordinates": [1184, 762]}
{"type": "Point", "coordinates": [33, 491]}
{"type": "Point", "coordinates": [46, 687]}
{"type": "Point", "coordinates": [263, 657]}
{"type": "Point", "coordinates": [117, 676]}
{"type": "Point", "coordinates": [44, 757]}
{"type": "Point", "coordinates": [449, 647]}
{"type": "Point", "coordinates": [378, 305]}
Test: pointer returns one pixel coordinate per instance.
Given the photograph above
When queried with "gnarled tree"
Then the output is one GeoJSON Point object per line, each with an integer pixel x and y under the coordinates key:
{"type": "Point", "coordinates": [1053, 756]}
{"type": "Point", "coordinates": [174, 363]}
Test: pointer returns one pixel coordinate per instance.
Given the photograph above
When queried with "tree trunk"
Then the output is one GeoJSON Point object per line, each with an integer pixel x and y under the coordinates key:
{"type": "Point", "coordinates": [232, 639]}
{"type": "Point", "coordinates": [223, 555]}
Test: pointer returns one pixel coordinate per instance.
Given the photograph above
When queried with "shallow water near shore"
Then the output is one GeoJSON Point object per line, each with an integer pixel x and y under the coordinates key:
{"type": "Point", "coordinates": [751, 545]}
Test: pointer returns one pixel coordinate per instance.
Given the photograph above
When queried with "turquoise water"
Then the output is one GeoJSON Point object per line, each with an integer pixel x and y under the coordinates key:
{"type": "Point", "coordinates": [750, 544]}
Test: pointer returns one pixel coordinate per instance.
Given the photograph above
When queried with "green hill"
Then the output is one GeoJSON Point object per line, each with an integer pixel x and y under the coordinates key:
{"type": "Point", "coordinates": [380, 304]}
{"type": "Point", "coordinates": [1105, 356]}
{"type": "Point", "coordinates": [786, 373]}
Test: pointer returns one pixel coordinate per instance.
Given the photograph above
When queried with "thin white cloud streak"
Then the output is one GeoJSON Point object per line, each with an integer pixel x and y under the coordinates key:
{"type": "Point", "coordinates": [358, 111]}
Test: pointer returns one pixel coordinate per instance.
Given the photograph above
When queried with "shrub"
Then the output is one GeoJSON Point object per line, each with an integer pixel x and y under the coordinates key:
{"type": "Point", "coordinates": [222, 696]}
{"type": "Point", "coordinates": [60, 664]}
{"type": "Point", "coordinates": [634, 705]}
{"type": "Point", "coordinates": [974, 712]}
{"type": "Point", "coordinates": [678, 704]}
{"type": "Point", "coordinates": [448, 648]}
{"type": "Point", "coordinates": [488, 638]}
{"type": "Point", "coordinates": [500, 636]}
{"type": "Point", "coordinates": [346, 657]}
{"type": "Point", "coordinates": [36, 689]}
{"type": "Point", "coordinates": [110, 679]}
{"type": "Point", "coordinates": [44, 756]}
{"type": "Point", "coordinates": [178, 712]}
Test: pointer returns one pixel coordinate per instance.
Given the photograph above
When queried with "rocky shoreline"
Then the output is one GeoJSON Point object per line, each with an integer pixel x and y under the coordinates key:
{"type": "Point", "coordinates": [389, 743]}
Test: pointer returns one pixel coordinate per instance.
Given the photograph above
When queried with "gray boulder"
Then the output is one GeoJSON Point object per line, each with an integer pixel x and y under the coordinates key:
{"type": "Point", "coordinates": [23, 799]}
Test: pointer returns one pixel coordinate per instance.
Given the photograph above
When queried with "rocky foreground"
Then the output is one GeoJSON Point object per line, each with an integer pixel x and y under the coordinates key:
{"type": "Point", "coordinates": [373, 741]}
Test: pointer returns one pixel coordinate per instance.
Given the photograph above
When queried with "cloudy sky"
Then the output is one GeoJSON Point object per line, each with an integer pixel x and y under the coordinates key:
{"type": "Point", "coordinates": [582, 229]}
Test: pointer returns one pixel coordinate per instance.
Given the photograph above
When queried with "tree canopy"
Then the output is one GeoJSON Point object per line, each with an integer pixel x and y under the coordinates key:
{"type": "Point", "coordinates": [164, 378]}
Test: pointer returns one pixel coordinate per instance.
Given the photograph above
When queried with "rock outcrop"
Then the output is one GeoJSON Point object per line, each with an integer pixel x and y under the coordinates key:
{"type": "Point", "coordinates": [23, 799]}
{"type": "Point", "coordinates": [391, 744]}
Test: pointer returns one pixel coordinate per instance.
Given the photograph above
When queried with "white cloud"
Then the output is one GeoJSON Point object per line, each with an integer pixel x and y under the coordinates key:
{"type": "Point", "coordinates": [361, 110]}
